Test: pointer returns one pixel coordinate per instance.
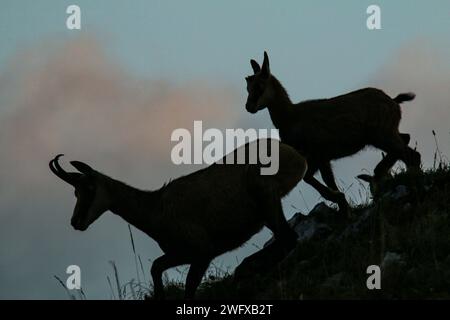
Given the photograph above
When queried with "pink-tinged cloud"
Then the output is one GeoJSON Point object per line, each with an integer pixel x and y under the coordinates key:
{"type": "Point", "coordinates": [79, 102]}
{"type": "Point", "coordinates": [72, 98]}
{"type": "Point", "coordinates": [423, 69]}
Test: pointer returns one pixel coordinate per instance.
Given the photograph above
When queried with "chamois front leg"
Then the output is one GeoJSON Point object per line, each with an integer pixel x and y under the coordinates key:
{"type": "Point", "coordinates": [285, 238]}
{"type": "Point", "coordinates": [327, 193]}
{"type": "Point", "coordinates": [327, 176]}
{"type": "Point", "coordinates": [159, 266]}
{"type": "Point", "coordinates": [194, 277]}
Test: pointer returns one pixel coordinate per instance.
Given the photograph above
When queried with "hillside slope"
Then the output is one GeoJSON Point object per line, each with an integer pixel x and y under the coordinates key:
{"type": "Point", "coordinates": [405, 231]}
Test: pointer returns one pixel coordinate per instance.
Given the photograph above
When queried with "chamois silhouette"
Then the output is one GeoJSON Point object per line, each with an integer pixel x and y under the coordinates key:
{"type": "Point", "coordinates": [196, 217]}
{"type": "Point", "coordinates": [326, 129]}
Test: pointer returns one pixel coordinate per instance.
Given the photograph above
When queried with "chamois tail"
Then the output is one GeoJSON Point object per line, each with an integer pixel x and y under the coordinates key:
{"type": "Point", "coordinates": [402, 97]}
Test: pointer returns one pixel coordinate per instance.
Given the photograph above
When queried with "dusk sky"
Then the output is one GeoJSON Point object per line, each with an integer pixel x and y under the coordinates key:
{"type": "Point", "coordinates": [111, 93]}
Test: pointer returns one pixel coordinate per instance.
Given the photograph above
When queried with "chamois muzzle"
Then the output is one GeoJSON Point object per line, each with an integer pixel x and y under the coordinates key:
{"type": "Point", "coordinates": [69, 177]}
{"type": "Point", "coordinates": [251, 106]}
{"type": "Point", "coordinates": [77, 225]}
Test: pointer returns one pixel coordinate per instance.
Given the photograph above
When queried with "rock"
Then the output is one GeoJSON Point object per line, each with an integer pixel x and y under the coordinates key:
{"type": "Point", "coordinates": [391, 259]}
{"type": "Point", "coordinates": [334, 281]}
{"type": "Point", "coordinates": [311, 229]}
{"type": "Point", "coordinates": [357, 226]}
{"type": "Point", "coordinates": [311, 225]}
{"type": "Point", "coordinates": [323, 212]}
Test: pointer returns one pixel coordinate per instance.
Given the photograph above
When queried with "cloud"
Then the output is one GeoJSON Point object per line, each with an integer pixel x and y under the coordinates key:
{"type": "Point", "coordinates": [72, 98]}
{"type": "Point", "coordinates": [421, 67]}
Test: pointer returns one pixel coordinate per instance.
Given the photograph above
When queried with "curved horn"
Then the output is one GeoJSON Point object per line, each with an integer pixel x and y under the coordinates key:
{"type": "Point", "coordinates": [70, 178]}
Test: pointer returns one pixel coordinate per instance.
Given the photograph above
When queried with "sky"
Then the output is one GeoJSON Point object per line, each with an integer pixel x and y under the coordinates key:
{"type": "Point", "coordinates": [111, 93]}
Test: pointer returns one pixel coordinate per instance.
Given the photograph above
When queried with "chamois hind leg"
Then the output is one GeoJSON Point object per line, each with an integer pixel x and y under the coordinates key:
{"type": "Point", "coordinates": [283, 234]}
{"type": "Point", "coordinates": [194, 277]}
{"type": "Point", "coordinates": [396, 148]}
{"type": "Point", "coordinates": [159, 266]}
{"type": "Point", "coordinates": [325, 192]}
{"type": "Point", "coordinates": [327, 176]}
{"type": "Point", "coordinates": [413, 157]}
{"type": "Point", "coordinates": [384, 166]}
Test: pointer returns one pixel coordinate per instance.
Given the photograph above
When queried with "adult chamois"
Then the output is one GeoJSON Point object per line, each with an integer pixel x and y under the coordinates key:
{"type": "Point", "coordinates": [199, 216]}
{"type": "Point", "coordinates": [327, 129]}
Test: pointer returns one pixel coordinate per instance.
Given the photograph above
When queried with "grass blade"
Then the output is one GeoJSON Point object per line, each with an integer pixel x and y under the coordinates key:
{"type": "Point", "coordinates": [116, 275]}
{"type": "Point", "coordinates": [71, 296]}
{"type": "Point", "coordinates": [134, 252]}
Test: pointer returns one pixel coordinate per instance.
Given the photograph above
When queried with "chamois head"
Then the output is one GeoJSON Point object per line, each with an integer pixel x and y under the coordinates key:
{"type": "Point", "coordinates": [90, 192]}
{"type": "Point", "coordinates": [256, 86]}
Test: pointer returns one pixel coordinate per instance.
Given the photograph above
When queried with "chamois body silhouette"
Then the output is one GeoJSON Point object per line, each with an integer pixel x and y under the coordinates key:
{"type": "Point", "coordinates": [196, 217]}
{"type": "Point", "coordinates": [327, 129]}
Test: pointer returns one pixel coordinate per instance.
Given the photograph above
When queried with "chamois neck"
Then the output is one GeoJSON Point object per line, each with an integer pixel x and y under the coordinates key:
{"type": "Point", "coordinates": [134, 205]}
{"type": "Point", "coordinates": [279, 103]}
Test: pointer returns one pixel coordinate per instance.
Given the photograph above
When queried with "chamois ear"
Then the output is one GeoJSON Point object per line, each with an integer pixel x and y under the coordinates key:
{"type": "Point", "coordinates": [255, 66]}
{"type": "Point", "coordinates": [82, 167]}
{"type": "Point", "coordinates": [265, 69]}
{"type": "Point", "coordinates": [365, 177]}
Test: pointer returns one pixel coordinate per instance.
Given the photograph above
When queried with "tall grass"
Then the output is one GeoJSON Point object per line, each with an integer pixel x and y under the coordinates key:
{"type": "Point", "coordinates": [73, 294]}
{"type": "Point", "coordinates": [134, 289]}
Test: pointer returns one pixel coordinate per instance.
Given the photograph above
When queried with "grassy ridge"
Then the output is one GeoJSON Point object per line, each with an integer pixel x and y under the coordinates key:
{"type": "Point", "coordinates": [406, 234]}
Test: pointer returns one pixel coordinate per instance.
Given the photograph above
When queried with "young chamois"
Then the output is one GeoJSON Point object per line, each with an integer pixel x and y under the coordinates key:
{"type": "Point", "coordinates": [197, 217]}
{"type": "Point", "coordinates": [328, 129]}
